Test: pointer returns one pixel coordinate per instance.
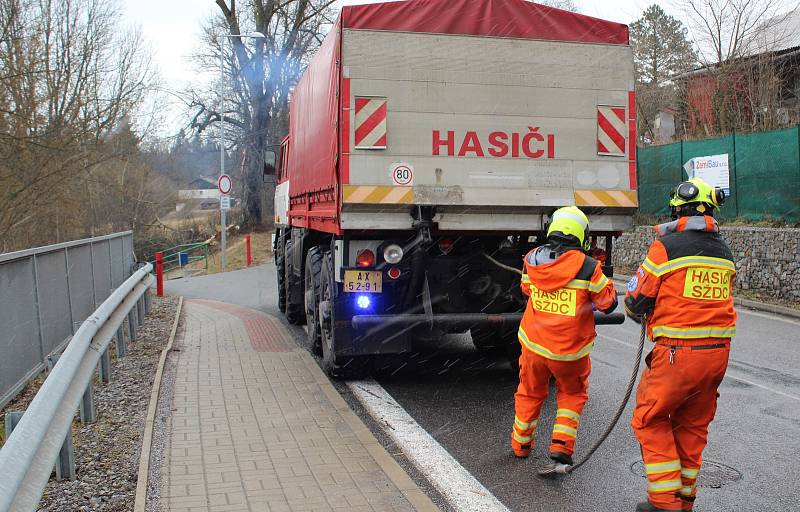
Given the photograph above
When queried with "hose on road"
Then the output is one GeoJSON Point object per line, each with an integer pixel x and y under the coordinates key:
{"type": "Point", "coordinates": [563, 468]}
{"type": "Point", "coordinates": [557, 468]}
{"type": "Point", "coordinates": [624, 403]}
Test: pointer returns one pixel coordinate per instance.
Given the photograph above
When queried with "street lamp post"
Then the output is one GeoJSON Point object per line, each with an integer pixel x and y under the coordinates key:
{"type": "Point", "coordinates": [223, 212]}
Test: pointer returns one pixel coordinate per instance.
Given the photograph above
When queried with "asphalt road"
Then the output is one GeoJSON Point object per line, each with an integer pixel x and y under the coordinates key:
{"type": "Point", "coordinates": [465, 401]}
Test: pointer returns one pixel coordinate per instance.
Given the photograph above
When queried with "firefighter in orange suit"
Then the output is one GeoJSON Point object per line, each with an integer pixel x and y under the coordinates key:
{"type": "Point", "coordinates": [557, 332]}
{"type": "Point", "coordinates": [684, 286]}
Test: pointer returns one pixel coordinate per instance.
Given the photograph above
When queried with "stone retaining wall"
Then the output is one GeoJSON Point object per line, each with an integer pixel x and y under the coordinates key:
{"type": "Point", "coordinates": [767, 259]}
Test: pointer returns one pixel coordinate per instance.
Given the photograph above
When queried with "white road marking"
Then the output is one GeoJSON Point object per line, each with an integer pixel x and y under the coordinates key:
{"type": "Point", "coordinates": [456, 484]}
{"type": "Point", "coordinates": [728, 374]}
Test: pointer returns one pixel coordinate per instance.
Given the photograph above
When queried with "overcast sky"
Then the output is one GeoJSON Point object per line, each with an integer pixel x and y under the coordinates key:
{"type": "Point", "coordinates": [172, 29]}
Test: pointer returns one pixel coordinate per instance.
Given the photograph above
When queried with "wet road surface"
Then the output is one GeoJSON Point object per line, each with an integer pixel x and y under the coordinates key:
{"type": "Point", "coordinates": [465, 401]}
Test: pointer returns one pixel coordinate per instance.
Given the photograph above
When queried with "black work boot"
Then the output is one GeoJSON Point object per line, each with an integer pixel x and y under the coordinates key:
{"type": "Point", "coordinates": [646, 506]}
{"type": "Point", "coordinates": [563, 458]}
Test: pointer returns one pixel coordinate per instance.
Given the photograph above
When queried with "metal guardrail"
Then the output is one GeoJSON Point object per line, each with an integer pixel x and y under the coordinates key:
{"type": "Point", "coordinates": [28, 456]}
{"type": "Point", "coordinates": [45, 294]}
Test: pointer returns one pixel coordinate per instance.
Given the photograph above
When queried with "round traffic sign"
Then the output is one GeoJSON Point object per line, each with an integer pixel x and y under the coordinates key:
{"type": "Point", "coordinates": [402, 174]}
{"type": "Point", "coordinates": [225, 184]}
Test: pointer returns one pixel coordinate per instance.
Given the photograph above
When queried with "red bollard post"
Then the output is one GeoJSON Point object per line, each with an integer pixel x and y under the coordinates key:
{"type": "Point", "coordinates": [159, 274]}
{"type": "Point", "coordinates": [249, 254]}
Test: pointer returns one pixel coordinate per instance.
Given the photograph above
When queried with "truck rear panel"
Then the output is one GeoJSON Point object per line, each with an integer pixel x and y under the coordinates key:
{"type": "Point", "coordinates": [494, 112]}
{"type": "Point", "coordinates": [477, 125]}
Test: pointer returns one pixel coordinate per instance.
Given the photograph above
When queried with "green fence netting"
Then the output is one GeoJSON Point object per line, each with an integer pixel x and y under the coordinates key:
{"type": "Point", "coordinates": [769, 176]}
{"type": "Point", "coordinates": [764, 173]}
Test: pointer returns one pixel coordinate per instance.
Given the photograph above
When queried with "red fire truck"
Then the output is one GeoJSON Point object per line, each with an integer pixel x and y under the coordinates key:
{"type": "Point", "coordinates": [429, 141]}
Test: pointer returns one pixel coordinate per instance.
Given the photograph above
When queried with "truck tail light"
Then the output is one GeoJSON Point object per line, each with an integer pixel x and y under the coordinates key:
{"type": "Point", "coordinates": [445, 245]}
{"type": "Point", "coordinates": [365, 258]}
{"type": "Point", "coordinates": [394, 272]}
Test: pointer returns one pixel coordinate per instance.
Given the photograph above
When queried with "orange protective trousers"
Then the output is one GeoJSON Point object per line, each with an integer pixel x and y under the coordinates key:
{"type": "Point", "coordinates": [675, 403]}
{"type": "Point", "coordinates": [572, 384]}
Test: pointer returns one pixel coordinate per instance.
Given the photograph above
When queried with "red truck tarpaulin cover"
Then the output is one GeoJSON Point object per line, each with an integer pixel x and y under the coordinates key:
{"type": "Point", "coordinates": [313, 132]}
{"type": "Point", "coordinates": [498, 18]}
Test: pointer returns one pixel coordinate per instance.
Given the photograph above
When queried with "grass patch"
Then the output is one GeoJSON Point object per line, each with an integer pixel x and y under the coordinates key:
{"type": "Point", "coordinates": [261, 251]}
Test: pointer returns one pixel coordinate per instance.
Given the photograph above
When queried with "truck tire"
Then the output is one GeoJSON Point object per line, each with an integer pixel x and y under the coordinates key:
{"type": "Point", "coordinates": [280, 271]}
{"type": "Point", "coordinates": [294, 311]}
{"type": "Point", "coordinates": [337, 367]}
{"type": "Point", "coordinates": [311, 289]}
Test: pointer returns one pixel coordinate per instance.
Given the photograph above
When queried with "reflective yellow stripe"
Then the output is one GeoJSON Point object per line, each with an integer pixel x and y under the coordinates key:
{"type": "Point", "coordinates": [521, 439]}
{"type": "Point", "coordinates": [568, 413]}
{"type": "Point", "coordinates": [578, 284]}
{"type": "Point", "coordinates": [689, 473]}
{"type": "Point", "coordinates": [526, 279]}
{"type": "Point", "coordinates": [687, 261]}
{"type": "Point", "coordinates": [597, 287]}
{"type": "Point", "coordinates": [687, 490]}
{"type": "Point", "coordinates": [542, 351]}
{"type": "Point", "coordinates": [651, 267]}
{"type": "Point", "coordinates": [665, 486]}
{"type": "Point", "coordinates": [694, 332]}
{"type": "Point", "coordinates": [662, 467]}
{"type": "Point", "coordinates": [522, 425]}
{"type": "Point", "coordinates": [558, 428]}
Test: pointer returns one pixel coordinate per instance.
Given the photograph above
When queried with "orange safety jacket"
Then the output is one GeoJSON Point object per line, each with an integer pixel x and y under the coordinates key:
{"type": "Point", "coordinates": [558, 322]}
{"type": "Point", "coordinates": [686, 280]}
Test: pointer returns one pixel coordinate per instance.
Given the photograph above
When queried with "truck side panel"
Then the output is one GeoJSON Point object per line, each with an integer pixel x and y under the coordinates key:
{"type": "Point", "coordinates": [314, 141]}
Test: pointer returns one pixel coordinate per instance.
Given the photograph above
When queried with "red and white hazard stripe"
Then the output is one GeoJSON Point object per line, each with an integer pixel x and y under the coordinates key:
{"type": "Point", "coordinates": [370, 123]}
{"type": "Point", "coordinates": [611, 130]}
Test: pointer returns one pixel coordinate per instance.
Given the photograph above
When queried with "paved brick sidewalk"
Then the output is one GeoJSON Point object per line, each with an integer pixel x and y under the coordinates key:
{"type": "Point", "coordinates": [256, 426]}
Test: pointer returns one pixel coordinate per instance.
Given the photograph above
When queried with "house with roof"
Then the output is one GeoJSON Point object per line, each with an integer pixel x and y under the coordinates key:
{"type": "Point", "coordinates": [760, 90]}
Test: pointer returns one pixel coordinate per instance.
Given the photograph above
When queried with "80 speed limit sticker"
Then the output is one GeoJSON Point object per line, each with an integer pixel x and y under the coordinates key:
{"type": "Point", "coordinates": [402, 174]}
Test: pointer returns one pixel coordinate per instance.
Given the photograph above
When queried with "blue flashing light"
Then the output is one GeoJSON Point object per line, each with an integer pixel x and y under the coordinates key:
{"type": "Point", "coordinates": [363, 301]}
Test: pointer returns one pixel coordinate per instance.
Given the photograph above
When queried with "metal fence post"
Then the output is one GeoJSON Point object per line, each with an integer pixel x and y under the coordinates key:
{"type": "Point", "coordinates": [140, 312]}
{"type": "Point", "coordinates": [132, 325]}
{"type": "Point", "coordinates": [12, 418]}
{"type": "Point", "coordinates": [147, 301]}
{"type": "Point", "coordinates": [105, 366]}
{"type": "Point", "coordinates": [65, 463]}
{"type": "Point", "coordinates": [87, 410]}
{"type": "Point", "coordinates": [122, 350]}
{"type": "Point", "coordinates": [38, 309]}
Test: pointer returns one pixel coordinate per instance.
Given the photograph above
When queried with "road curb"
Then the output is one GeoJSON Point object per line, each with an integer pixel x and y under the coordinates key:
{"type": "Point", "coordinates": [765, 307]}
{"type": "Point", "coordinates": [410, 490]}
{"type": "Point", "coordinates": [140, 501]}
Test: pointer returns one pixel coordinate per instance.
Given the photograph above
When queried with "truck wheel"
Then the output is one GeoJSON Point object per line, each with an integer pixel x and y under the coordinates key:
{"type": "Point", "coordinates": [311, 288]}
{"type": "Point", "coordinates": [294, 311]}
{"type": "Point", "coordinates": [348, 367]}
{"type": "Point", "coordinates": [280, 270]}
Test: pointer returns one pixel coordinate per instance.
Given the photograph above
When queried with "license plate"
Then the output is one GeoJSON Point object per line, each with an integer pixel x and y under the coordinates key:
{"type": "Point", "coordinates": [362, 281]}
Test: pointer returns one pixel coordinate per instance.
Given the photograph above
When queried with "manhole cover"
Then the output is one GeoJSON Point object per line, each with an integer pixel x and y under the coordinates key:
{"type": "Point", "coordinates": [712, 474]}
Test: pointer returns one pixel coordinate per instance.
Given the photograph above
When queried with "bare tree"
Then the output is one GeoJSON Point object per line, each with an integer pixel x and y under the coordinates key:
{"type": "Point", "coordinates": [68, 78]}
{"type": "Point", "coordinates": [258, 77]}
{"type": "Point", "coordinates": [740, 79]}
